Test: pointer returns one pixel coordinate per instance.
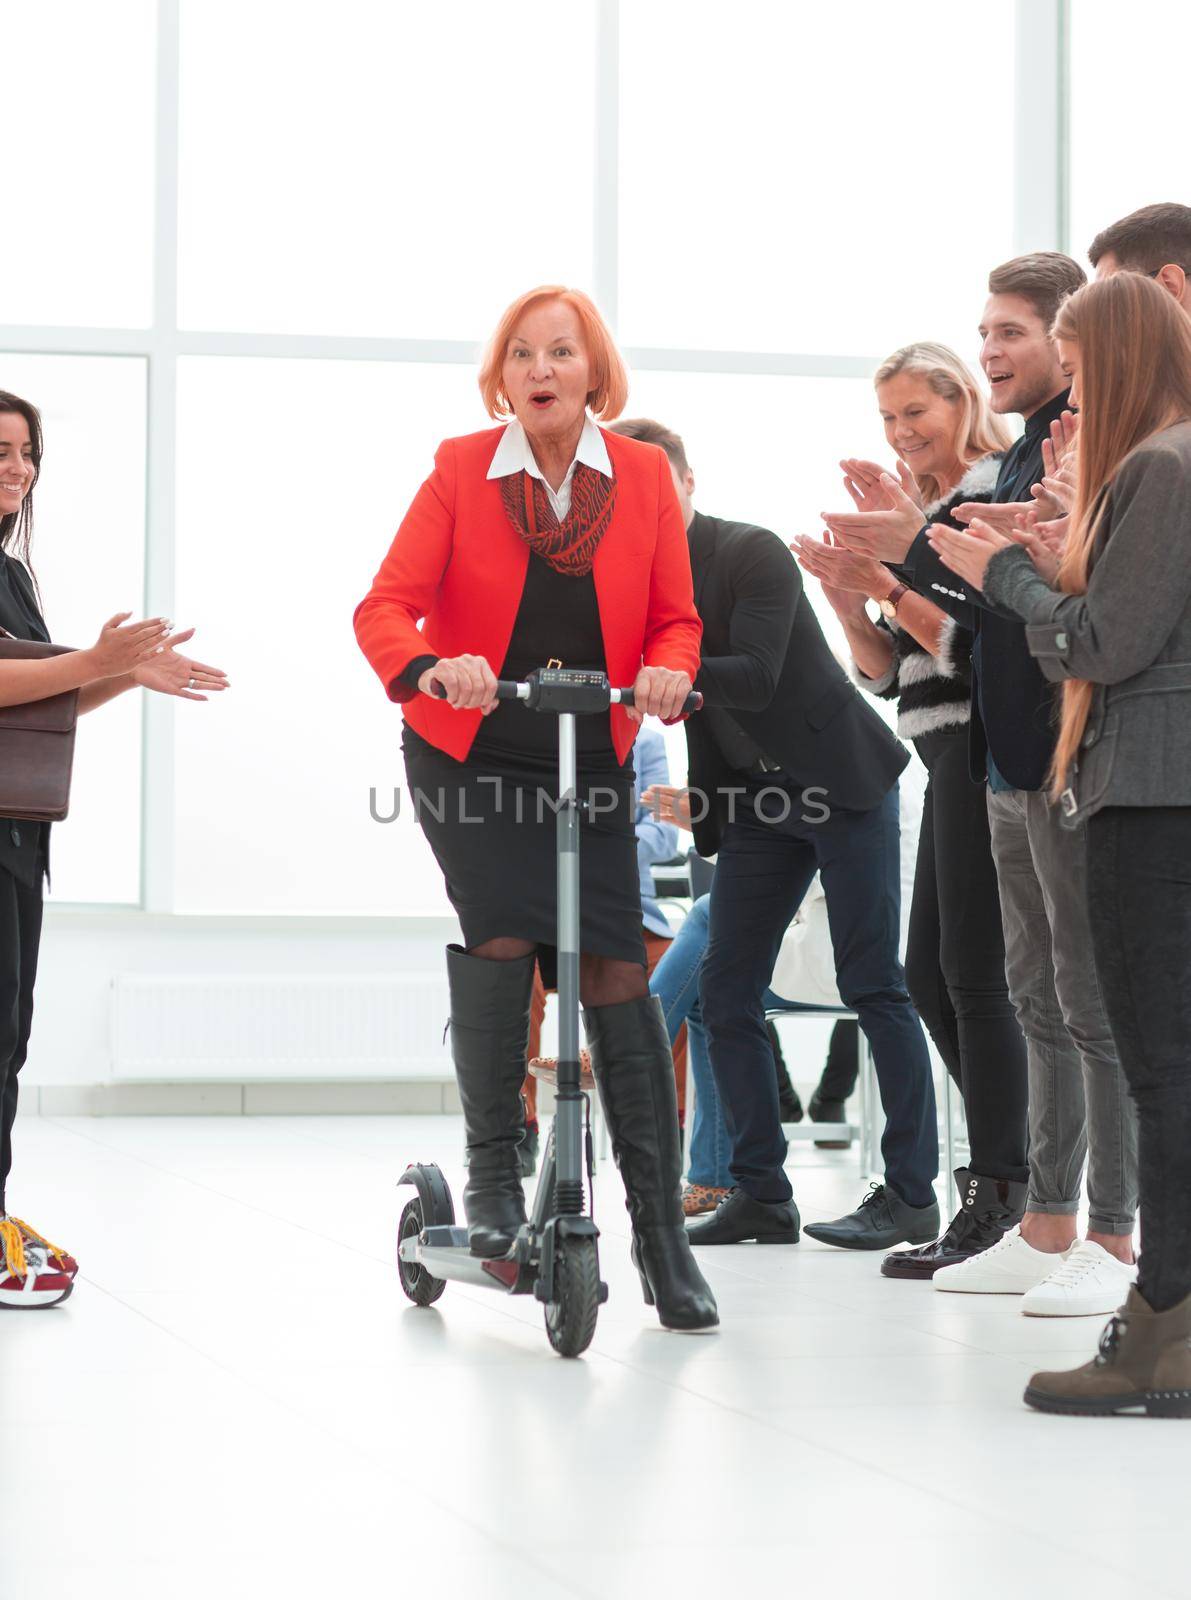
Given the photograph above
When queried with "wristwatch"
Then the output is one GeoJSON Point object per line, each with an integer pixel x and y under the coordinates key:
{"type": "Point", "coordinates": [890, 603]}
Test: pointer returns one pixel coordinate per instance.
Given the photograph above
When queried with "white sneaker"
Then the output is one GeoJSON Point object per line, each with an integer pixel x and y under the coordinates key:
{"type": "Point", "coordinates": [1011, 1266]}
{"type": "Point", "coordinates": [1088, 1282]}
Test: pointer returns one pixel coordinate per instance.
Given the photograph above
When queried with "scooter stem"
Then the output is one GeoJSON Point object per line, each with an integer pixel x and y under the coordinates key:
{"type": "Point", "coordinates": [568, 1118]}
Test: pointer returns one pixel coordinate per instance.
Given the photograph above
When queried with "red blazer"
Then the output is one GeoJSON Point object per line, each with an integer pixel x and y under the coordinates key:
{"type": "Point", "coordinates": [458, 564]}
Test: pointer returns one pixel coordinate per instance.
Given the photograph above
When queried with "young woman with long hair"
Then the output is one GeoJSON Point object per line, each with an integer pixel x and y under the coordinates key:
{"type": "Point", "coordinates": [1112, 623]}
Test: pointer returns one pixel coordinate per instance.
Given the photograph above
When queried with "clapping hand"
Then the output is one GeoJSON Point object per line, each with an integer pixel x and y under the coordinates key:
{"type": "Point", "coordinates": [885, 532]}
{"type": "Point", "coordinates": [122, 645]}
{"type": "Point", "coordinates": [1044, 542]}
{"type": "Point", "coordinates": [862, 480]}
{"type": "Point", "coordinates": [1063, 441]}
{"type": "Point", "coordinates": [1056, 492]}
{"type": "Point", "coordinates": [968, 553]}
{"type": "Point", "coordinates": [166, 672]}
{"type": "Point", "coordinates": [848, 579]}
{"type": "Point", "coordinates": [1002, 517]}
{"type": "Point", "coordinates": [1060, 452]}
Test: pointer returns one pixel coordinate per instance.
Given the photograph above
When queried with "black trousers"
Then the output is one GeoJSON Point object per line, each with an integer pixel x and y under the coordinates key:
{"type": "Point", "coordinates": [767, 858]}
{"type": "Point", "coordinates": [1139, 901]}
{"type": "Point", "coordinates": [955, 960]}
{"type": "Point", "coordinates": [20, 939]}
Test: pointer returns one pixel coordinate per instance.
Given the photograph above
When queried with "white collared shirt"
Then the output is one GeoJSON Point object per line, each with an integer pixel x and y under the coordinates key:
{"type": "Point", "coordinates": [514, 454]}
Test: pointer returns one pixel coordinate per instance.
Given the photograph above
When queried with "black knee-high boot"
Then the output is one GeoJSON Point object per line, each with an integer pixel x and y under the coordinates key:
{"type": "Point", "coordinates": [489, 1033]}
{"type": "Point", "coordinates": [630, 1055]}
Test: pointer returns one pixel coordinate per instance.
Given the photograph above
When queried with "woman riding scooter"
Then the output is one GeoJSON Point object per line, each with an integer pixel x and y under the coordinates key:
{"type": "Point", "coordinates": [546, 539]}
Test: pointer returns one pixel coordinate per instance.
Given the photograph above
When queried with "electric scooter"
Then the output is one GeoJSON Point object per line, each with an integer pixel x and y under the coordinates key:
{"type": "Point", "coordinates": [555, 1256]}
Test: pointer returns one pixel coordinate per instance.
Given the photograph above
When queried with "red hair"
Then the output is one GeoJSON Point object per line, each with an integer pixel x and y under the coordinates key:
{"type": "Point", "coordinates": [610, 382]}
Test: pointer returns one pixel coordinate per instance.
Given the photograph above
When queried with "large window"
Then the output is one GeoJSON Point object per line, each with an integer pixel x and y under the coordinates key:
{"type": "Point", "coordinates": [291, 478]}
{"type": "Point", "coordinates": [260, 244]}
{"type": "Point", "coordinates": [78, 120]}
{"type": "Point", "coordinates": [798, 178]}
{"type": "Point", "coordinates": [1128, 90]}
{"type": "Point", "coordinates": [417, 166]}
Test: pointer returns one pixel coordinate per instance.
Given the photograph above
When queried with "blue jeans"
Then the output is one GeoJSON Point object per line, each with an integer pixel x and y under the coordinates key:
{"type": "Point", "coordinates": [675, 981]}
{"type": "Point", "coordinates": [767, 859]}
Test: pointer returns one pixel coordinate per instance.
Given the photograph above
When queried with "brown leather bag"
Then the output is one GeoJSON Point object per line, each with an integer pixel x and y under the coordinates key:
{"type": "Point", "coordinates": [36, 743]}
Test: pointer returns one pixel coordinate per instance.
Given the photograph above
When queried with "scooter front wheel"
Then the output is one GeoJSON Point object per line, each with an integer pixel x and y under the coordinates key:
{"type": "Point", "coordinates": [417, 1283]}
{"type": "Point", "coordinates": [571, 1320]}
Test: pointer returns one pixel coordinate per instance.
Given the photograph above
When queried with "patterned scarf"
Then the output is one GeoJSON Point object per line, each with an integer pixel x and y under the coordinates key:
{"type": "Point", "coordinates": [569, 546]}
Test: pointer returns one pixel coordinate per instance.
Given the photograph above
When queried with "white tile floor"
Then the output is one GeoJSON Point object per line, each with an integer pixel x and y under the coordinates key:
{"type": "Point", "coordinates": [238, 1401]}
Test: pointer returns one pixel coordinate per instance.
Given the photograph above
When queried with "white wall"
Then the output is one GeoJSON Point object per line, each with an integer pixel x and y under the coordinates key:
{"type": "Point", "coordinates": [84, 951]}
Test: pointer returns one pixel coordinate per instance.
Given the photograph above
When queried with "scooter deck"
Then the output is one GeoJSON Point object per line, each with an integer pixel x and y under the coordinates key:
{"type": "Point", "coordinates": [444, 1253]}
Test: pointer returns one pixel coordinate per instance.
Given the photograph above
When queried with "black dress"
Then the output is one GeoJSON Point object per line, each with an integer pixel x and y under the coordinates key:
{"type": "Point", "coordinates": [490, 819]}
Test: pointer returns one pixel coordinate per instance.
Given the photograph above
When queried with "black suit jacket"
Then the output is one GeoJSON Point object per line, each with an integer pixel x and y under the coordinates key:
{"type": "Point", "coordinates": [765, 659]}
{"type": "Point", "coordinates": [1014, 707]}
{"type": "Point", "coordinates": [24, 846]}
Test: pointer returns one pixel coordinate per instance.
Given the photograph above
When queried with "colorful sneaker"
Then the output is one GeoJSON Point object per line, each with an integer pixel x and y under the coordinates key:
{"type": "Point", "coordinates": [700, 1198]}
{"type": "Point", "coordinates": [26, 1281]}
{"type": "Point", "coordinates": [58, 1258]}
{"type": "Point", "coordinates": [1087, 1282]}
{"type": "Point", "coordinates": [1011, 1266]}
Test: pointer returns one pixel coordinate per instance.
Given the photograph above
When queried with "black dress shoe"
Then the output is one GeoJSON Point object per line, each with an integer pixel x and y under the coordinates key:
{"type": "Point", "coordinates": [882, 1219]}
{"type": "Point", "coordinates": [821, 1110]}
{"type": "Point", "coordinates": [989, 1207]}
{"type": "Point", "coordinates": [739, 1218]}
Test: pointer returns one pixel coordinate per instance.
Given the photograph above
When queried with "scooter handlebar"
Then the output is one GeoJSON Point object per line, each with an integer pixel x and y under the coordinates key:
{"type": "Point", "coordinates": [511, 690]}
{"type": "Point", "coordinates": [505, 690]}
{"type": "Point", "coordinates": [693, 701]}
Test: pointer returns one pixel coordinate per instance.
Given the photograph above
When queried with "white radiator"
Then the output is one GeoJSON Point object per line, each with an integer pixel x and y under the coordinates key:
{"type": "Point", "coordinates": [293, 1026]}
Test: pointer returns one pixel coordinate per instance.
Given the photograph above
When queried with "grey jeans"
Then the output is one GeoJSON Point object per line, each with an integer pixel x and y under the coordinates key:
{"type": "Point", "coordinates": [1079, 1103]}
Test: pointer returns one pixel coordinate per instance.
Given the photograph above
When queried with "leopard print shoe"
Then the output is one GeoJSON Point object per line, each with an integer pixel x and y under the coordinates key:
{"type": "Point", "coordinates": [699, 1198]}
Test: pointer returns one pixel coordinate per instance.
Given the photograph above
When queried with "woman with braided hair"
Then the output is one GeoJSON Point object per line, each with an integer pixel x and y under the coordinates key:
{"type": "Point", "coordinates": [546, 538]}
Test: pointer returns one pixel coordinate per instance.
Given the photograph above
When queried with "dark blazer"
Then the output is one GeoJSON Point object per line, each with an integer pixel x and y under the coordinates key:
{"type": "Point", "coordinates": [765, 659]}
{"type": "Point", "coordinates": [24, 846]}
{"type": "Point", "coordinates": [1013, 706]}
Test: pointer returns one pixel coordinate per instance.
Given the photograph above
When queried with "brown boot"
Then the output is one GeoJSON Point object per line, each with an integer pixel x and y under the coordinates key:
{"type": "Point", "coordinates": [1144, 1366]}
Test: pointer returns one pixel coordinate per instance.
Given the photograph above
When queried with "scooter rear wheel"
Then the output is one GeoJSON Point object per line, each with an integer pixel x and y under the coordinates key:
{"type": "Point", "coordinates": [417, 1283]}
{"type": "Point", "coordinates": [571, 1320]}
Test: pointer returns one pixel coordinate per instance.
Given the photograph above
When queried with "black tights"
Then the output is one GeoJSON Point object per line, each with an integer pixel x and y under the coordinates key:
{"type": "Point", "coordinates": [602, 981]}
{"type": "Point", "coordinates": [1139, 900]}
{"type": "Point", "coordinates": [955, 963]}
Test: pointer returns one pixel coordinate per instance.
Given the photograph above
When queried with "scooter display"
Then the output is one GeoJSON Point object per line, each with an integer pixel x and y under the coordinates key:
{"type": "Point", "coordinates": [555, 1256]}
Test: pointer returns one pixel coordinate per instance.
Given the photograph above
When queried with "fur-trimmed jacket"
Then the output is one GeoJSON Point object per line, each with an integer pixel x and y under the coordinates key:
{"type": "Point", "coordinates": [934, 692]}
